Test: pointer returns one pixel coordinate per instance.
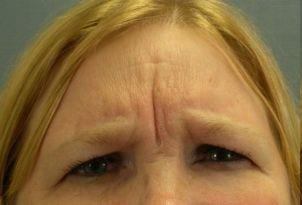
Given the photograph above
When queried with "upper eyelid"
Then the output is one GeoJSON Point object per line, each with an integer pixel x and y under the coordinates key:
{"type": "Point", "coordinates": [78, 164]}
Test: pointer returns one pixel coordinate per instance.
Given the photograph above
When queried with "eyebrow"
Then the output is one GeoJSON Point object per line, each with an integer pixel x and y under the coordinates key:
{"type": "Point", "coordinates": [214, 128]}
{"type": "Point", "coordinates": [203, 128]}
{"type": "Point", "coordinates": [210, 124]}
{"type": "Point", "coordinates": [116, 131]}
{"type": "Point", "coordinates": [201, 125]}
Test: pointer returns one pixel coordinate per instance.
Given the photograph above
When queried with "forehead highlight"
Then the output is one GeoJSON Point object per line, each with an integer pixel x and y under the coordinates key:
{"type": "Point", "coordinates": [157, 43]}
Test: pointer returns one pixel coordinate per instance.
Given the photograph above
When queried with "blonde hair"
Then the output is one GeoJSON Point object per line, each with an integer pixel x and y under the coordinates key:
{"type": "Point", "coordinates": [38, 83]}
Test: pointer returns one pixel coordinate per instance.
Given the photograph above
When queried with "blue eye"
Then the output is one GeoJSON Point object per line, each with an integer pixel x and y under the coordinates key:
{"type": "Point", "coordinates": [210, 153]}
{"type": "Point", "coordinates": [98, 166]}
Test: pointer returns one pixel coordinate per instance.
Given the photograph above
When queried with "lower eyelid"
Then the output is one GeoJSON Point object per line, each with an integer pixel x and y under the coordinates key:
{"type": "Point", "coordinates": [225, 166]}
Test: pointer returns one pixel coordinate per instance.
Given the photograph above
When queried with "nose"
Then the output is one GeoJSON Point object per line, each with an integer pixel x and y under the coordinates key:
{"type": "Point", "coordinates": [165, 184]}
{"type": "Point", "coordinates": [164, 199]}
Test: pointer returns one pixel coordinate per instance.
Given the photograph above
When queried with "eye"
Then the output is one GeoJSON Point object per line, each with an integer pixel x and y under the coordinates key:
{"type": "Point", "coordinates": [213, 154]}
{"type": "Point", "coordinates": [98, 166]}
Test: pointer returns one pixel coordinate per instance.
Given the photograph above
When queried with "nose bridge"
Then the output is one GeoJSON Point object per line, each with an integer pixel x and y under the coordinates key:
{"type": "Point", "coordinates": [164, 183]}
{"type": "Point", "coordinates": [164, 176]}
{"type": "Point", "coordinates": [163, 199]}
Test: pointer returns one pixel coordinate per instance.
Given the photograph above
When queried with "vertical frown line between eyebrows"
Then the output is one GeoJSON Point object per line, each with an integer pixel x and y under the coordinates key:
{"type": "Point", "coordinates": [202, 126]}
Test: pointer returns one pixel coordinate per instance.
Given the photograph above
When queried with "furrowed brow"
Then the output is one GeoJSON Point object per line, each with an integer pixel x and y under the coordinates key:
{"type": "Point", "coordinates": [216, 124]}
{"type": "Point", "coordinates": [118, 131]}
{"type": "Point", "coordinates": [202, 126]}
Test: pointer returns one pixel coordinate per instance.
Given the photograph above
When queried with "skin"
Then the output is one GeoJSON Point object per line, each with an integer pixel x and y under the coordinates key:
{"type": "Point", "coordinates": [156, 78]}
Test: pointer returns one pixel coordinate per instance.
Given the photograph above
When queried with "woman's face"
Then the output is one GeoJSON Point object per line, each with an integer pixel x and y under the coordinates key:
{"type": "Point", "coordinates": [157, 116]}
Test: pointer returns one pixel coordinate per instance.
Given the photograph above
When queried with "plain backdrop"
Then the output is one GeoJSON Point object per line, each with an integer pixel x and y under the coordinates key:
{"type": "Point", "coordinates": [278, 23]}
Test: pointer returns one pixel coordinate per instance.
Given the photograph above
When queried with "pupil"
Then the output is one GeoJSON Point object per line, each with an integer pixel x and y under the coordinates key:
{"type": "Point", "coordinates": [221, 155]}
{"type": "Point", "coordinates": [96, 167]}
{"type": "Point", "coordinates": [226, 156]}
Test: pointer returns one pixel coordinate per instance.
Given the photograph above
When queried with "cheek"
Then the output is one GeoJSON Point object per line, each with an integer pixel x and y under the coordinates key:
{"type": "Point", "coordinates": [246, 199]}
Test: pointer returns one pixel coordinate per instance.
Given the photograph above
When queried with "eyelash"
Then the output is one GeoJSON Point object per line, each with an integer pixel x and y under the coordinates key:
{"type": "Point", "coordinates": [207, 149]}
{"type": "Point", "coordinates": [78, 164]}
{"type": "Point", "coordinates": [116, 157]}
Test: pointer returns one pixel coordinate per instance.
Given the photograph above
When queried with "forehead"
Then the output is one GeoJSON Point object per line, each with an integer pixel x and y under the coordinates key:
{"type": "Point", "coordinates": [159, 43]}
{"type": "Point", "coordinates": [170, 58]}
{"type": "Point", "coordinates": [176, 67]}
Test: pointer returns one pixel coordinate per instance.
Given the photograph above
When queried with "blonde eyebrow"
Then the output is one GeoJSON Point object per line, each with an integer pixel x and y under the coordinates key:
{"type": "Point", "coordinates": [204, 128]}
{"type": "Point", "coordinates": [200, 124]}
{"type": "Point", "coordinates": [209, 127]}
{"type": "Point", "coordinates": [107, 133]}
{"type": "Point", "coordinates": [217, 124]}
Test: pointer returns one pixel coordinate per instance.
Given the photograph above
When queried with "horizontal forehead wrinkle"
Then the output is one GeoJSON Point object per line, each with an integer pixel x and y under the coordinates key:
{"type": "Point", "coordinates": [157, 43]}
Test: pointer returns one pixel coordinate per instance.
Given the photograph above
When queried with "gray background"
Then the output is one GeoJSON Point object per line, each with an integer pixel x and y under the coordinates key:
{"type": "Point", "coordinates": [278, 22]}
